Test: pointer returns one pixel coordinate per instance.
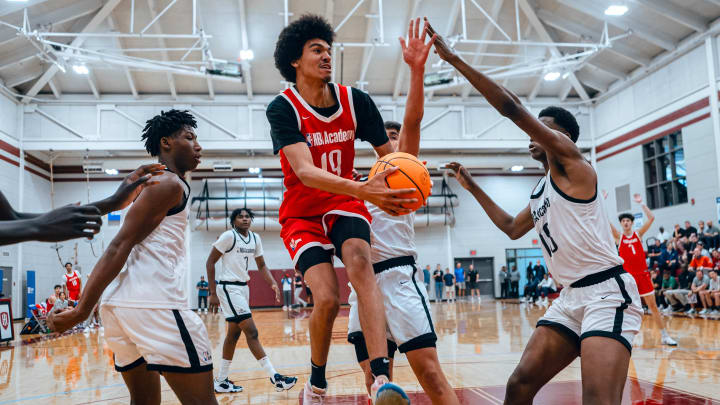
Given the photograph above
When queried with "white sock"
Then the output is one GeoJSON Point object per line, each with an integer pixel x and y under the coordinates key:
{"type": "Point", "coordinates": [664, 333]}
{"type": "Point", "coordinates": [224, 369]}
{"type": "Point", "coordinates": [267, 365]}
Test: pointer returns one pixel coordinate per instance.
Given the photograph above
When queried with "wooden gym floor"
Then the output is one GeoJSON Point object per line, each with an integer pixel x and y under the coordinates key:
{"type": "Point", "coordinates": [479, 345]}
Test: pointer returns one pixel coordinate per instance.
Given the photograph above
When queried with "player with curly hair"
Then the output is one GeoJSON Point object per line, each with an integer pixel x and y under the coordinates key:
{"type": "Point", "coordinates": [314, 124]}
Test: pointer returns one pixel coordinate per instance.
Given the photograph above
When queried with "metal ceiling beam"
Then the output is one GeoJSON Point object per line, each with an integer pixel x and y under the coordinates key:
{"type": "Point", "coordinates": [99, 17]}
{"type": "Point", "coordinates": [487, 31]}
{"type": "Point", "coordinates": [14, 8]}
{"type": "Point", "coordinates": [676, 13]}
{"type": "Point", "coordinates": [55, 89]}
{"type": "Point", "coordinates": [211, 88]}
{"type": "Point", "coordinates": [582, 32]}
{"type": "Point", "coordinates": [20, 55]}
{"type": "Point", "coordinates": [545, 36]}
{"type": "Point", "coordinates": [592, 82]}
{"type": "Point", "coordinates": [369, 37]}
{"type": "Point", "coordinates": [93, 84]}
{"type": "Point", "coordinates": [158, 30]}
{"type": "Point", "coordinates": [400, 67]}
{"type": "Point", "coordinates": [598, 64]}
{"type": "Point", "coordinates": [639, 29]}
{"type": "Point", "coordinates": [565, 92]}
{"type": "Point", "coordinates": [450, 30]}
{"type": "Point", "coordinates": [126, 70]}
{"type": "Point", "coordinates": [26, 76]}
{"type": "Point", "coordinates": [53, 18]}
{"type": "Point", "coordinates": [330, 10]}
{"type": "Point", "coordinates": [245, 43]}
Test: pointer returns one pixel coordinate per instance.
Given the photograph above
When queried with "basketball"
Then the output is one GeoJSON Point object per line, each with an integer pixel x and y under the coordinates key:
{"type": "Point", "coordinates": [411, 173]}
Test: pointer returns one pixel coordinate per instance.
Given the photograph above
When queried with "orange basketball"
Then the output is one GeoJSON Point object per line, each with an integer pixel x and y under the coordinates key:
{"type": "Point", "coordinates": [411, 173]}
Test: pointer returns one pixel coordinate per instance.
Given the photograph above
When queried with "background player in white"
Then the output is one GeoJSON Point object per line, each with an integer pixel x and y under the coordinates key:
{"type": "Point", "coordinates": [410, 326]}
{"type": "Point", "coordinates": [236, 246]}
{"type": "Point", "coordinates": [632, 250]}
{"type": "Point", "coordinates": [149, 325]}
{"type": "Point", "coordinates": [598, 313]}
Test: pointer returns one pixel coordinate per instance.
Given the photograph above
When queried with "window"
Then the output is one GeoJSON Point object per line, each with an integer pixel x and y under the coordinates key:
{"type": "Point", "coordinates": [665, 176]}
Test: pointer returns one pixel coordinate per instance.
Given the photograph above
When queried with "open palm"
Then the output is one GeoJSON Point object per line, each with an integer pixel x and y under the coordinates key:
{"type": "Point", "coordinates": [444, 50]}
{"type": "Point", "coordinates": [415, 51]}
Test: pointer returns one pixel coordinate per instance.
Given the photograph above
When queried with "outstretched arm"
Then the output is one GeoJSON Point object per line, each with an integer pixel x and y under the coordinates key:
{"type": "Point", "coordinates": [144, 216]}
{"type": "Point", "coordinates": [415, 53]}
{"type": "Point", "coordinates": [648, 214]}
{"type": "Point", "coordinates": [260, 261]}
{"type": "Point", "coordinates": [514, 227]}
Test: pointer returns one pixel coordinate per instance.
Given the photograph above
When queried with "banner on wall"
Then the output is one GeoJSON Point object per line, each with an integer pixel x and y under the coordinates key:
{"type": "Point", "coordinates": [6, 326]}
{"type": "Point", "coordinates": [638, 223]}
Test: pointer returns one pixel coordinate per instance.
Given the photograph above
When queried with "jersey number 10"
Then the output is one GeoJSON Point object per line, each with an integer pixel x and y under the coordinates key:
{"type": "Point", "coordinates": [552, 241]}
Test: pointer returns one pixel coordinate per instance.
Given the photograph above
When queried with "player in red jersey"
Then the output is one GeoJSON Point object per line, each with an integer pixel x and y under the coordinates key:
{"type": "Point", "coordinates": [313, 125]}
{"type": "Point", "coordinates": [630, 248]}
{"type": "Point", "coordinates": [73, 284]}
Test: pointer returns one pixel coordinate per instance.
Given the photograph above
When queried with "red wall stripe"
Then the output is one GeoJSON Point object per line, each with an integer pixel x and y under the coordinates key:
{"type": "Point", "coordinates": [9, 148]}
{"type": "Point", "coordinates": [660, 135]}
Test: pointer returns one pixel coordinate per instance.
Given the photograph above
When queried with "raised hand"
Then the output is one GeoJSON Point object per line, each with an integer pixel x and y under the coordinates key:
{"type": "Point", "coordinates": [133, 184]}
{"type": "Point", "coordinates": [638, 198]}
{"type": "Point", "coordinates": [461, 174]}
{"type": "Point", "coordinates": [415, 51]}
{"type": "Point", "coordinates": [444, 51]}
{"type": "Point", "coordinates": [391, 201]}
{"type": "Point", "coordinates": [68, 222]}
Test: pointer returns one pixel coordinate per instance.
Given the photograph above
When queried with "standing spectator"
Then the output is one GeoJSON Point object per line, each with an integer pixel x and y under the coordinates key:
{"type": "Point", "coordinates": [678, 298]}
{"type": "Point", "coordinates": [438, 277]}
{"type": "Point", "coordinates": [203, 288]}
{"type": "Point", "coordinates": [667, 283]}
{"type": "Point", "coordinates": [73, 284]}
{"type": "Point", "coordinates": [713, 233]}
{"type": "Point", "coordinates": [700, 262]}
{"type": "Point", "coordinates": [700, 283]}
{"type": "Point", "coordinates": [299, 288]}
{"type": "Point", "coordinates": [504, 277]}
{"type": "Point", "coordinates": [449, 280]}
{"type": "Point", "coordinates": [689, 229]}
{"type": "Point", "coordinates": [539, 271]}
{"type": "Point", "coordinates": [460, 279]}
{"type": "Point", "coordinates": [471, 281]}
{"type": "Point", "coordinates": [426, 278]}
{"type": "Point", "coordinates": [514, 282]}
{"type": "Point", "coordinates": [546, 286]}
{"type": "Point", "coordinates": [287, 287]}
{"type": "Point", "coordinates": [654, 253]}
{"type": "Point", "coordinates": [663, 236]}
{"type": "Point", "coordinates": [706, 295]}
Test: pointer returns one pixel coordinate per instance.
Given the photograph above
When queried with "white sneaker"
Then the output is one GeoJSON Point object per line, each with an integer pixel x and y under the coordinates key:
{"type": "Point", "coordinates": [668, 310]}
{"type": "Point", "coordinates": [714, 312]}
{"type": "Point", "coordinates": [667, 340]}
{"type": "Point", "coordinates": [284, 307]}
{"type": "Point", "coordinates": [283, 383]}
{"type": "Point", "coordinates": [226, 386]}
{"type": "Point", "coordinates": [690, 311]}
{"type": "Point", "coordinates": [703, 312]}
{"type": "Point", "coordinates": [313, 395]}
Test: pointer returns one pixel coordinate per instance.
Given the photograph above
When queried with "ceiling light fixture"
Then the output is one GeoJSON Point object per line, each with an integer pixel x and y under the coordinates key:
{"type": "Point", "coordinates": [616, 10]}
{"type": "Point", "coordinates": [81, 69]}
{"type": "Point", "coordinates": [517, 168]}
{"type": "Point", "coordinates": [254, 170]}
{"type": "Point", "coordinates": [112, 172]}
{"type": "Point", "coordinates": [551, 76]}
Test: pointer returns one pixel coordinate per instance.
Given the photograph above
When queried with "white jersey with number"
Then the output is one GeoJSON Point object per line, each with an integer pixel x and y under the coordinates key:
{"type": "Point", "coordinates": [575, 234]}
{"type": "Point", "coordinates": [238, 251]}
{"type": "Point", "coordinates": [391, 236]}
{"type": "Point", "coordinates": [155, 272]}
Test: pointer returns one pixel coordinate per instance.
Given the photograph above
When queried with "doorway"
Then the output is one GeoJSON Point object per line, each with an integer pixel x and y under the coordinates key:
{"type": "Point", "coordinates": [522, 258]}
{"type": "Point", "coordinates": [486, 274]}
{"type": "Point", "coordinates": [6, 285]}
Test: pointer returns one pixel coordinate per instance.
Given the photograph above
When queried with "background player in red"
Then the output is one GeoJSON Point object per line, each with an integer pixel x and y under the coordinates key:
{"type": "Point", "coordinates": [73, 284]}
{"type": "Point", "coordinates": [630, 248]}
{"type": "Point", "coordinates": [314, 125]}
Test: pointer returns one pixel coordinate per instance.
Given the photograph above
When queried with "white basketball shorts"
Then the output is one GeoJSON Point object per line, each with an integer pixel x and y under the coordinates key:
{"type": "Point", "coordinates": [171, 340]}
{"type": "Point", "coordinates": [604, 304]}
{"type": "Point", "coordinates": [407, 311]}
{"type": "Point", "coordinates": [234, 299]}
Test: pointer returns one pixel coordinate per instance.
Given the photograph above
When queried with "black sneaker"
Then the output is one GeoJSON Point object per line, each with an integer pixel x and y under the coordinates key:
{"type": "Point", "coordinates": [283, 383]}
{"type": "Point", "coordinates": [226, 386]}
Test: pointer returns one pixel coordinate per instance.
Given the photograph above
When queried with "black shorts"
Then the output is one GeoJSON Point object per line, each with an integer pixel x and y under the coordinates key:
{"type": "Point", "coordinates": [344, 228]}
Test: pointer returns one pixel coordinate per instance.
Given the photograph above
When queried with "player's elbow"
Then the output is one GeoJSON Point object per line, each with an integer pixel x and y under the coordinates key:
{"type": "Point", "coordinates": [510, 108]}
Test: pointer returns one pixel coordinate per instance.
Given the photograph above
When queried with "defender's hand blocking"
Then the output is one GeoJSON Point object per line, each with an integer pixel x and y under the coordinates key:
{"type": "Point", "coordinates": [68, 222]}
{"type": "Point", "coordinates": [377, 192]}
{"type": "Point", "coordinates": [134, 183]}
{"type": "Point", "coordinates": [461, 174]}
{"type": "Point", "coordinates": [415, 51]}
{"type": "Point", "coordinates": [638, 198]}
{"type": "Point", "coordinates": [442, 49]}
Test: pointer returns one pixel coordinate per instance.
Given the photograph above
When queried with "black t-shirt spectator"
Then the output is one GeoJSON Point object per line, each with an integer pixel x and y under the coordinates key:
{"type": "Point", "coordinates": [449, 279]}
{"type": "Point", "coordinates": [539, 271]}
{"type": "Point", "coordinates": [298, 281]}
{"type": "Point", "coordinates": [684, 279]}
{"type": "Point", "coordinates": [438, 276]}
{"type": "Point", "coordinates": [690, 231]}
{"type": "Point", "coordinates": [284, 125]}
{"type": "Point", "coordinates": [472, 276]}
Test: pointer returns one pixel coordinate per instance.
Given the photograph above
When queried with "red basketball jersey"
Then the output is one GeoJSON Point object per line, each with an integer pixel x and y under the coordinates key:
{"type": "Point", "coordinates": [72, 281]}
{"type": "Point", "coordinates": [332, 144]}
{"type": "Point", "coordinates": [632, 252]}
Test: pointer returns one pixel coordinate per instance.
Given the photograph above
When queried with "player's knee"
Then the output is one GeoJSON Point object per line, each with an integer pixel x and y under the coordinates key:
{"type": "Point", "coordinates": [328, 305]}
{"type": "Point", "coordinates": [519, 385]}
{"type": "Point", "coordinates": [356, 255]}
{"type": "Point", "coordinates": [434, 380]}
{"type": "Point", "coordinates": [251, 333]}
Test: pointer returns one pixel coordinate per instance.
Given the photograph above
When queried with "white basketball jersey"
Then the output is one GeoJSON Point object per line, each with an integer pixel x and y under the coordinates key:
{"type": "Point", "coordinates": [575, 234]}
{"type": "Point", "coordinates": [238, 252]}
{"type": "Point", "coordinates": [155, 272]}
{"type": "Point", "coordinates": [391, 236]}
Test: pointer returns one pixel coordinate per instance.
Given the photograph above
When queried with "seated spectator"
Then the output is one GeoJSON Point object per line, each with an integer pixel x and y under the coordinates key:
{"type": "Point", "coordinates": [700, 283]}
{"type": "Point", "coordinates": [706, 295]}
{"type": "Point", "coordinates": [678, 298]}
{"type": "Point", "coordinates": [699, 261]}
{"type": "Point", "coordinates": [663, 236]}
{"type": "Point", "coordinates": [703, 249]}
{"type": "Point", "coordinates": [715, 297]}
{"type": "Point", "coordinates": [692, 242]}
{"type": "Point", "coordinates": [712, 235]}
{"type": "Point", "coordinates": [60, 303]}
{"type": "Point", "coordinates": [667, 283]}
{"type": "Point", "coordinates": [678, 233]}
{"type": "Point", "coordinates": [545, 287]}
{"type": "Point", "coordinates": [669, 257]}
{"type": "Point", "coordinates": [50, 301]}
{"type": "Point", "coordinates": [654, 253]}
{"type": "Point", "coordinates": [715, 257]}
{"type": "Point", "coordinates": [689, 229]}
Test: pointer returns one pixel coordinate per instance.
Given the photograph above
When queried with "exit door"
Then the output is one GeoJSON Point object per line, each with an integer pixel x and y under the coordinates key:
{"type": "Point", "coordinates": [6, 274]}
{"type": "Point", "coordinates": [486, 275]}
